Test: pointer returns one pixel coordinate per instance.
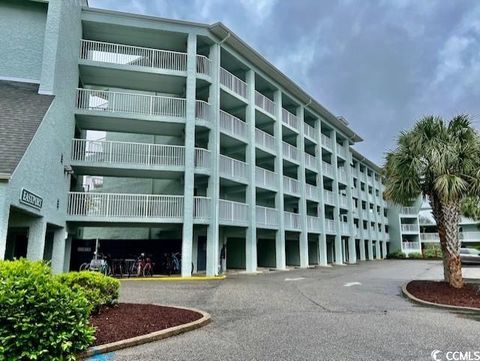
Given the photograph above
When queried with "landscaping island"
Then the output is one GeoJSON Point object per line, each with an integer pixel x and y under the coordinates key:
{"type": "Point", "coordinates": [442, 293]}
{"type": "Point", "coordinates": [127, 320]}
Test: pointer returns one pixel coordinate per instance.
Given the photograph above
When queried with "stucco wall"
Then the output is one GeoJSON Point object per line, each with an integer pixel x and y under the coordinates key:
{"type": "Point", "coordinates": [22, 49]}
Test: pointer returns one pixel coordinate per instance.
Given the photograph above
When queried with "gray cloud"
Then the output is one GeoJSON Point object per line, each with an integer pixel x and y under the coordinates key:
{"type": "Point", "coordinates": [381, 64]}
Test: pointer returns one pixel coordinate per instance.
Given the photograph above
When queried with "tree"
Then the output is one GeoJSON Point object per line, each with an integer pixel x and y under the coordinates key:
{"type": "Point", "coordinates": [441, 161]}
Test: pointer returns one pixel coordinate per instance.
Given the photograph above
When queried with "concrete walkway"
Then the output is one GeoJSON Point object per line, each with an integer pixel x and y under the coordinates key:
{"type": "Point", "coordinates": [338, 313]}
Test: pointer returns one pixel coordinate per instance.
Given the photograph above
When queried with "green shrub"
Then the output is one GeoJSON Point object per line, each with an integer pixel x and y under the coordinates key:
{"type": "Point", "coordinates": [396, 255]}
{"type": "Point", "coordinates": [432, 252]}
{"type": "Point", "coordinates": [40, 318]}
{"type": "Point", "coordinates": [415, 255]}
{"type": "Point", "coordinates": [99, 289]}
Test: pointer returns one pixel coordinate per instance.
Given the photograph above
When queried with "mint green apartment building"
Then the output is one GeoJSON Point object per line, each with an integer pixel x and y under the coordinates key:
{"type": "Point", "coordinates": [156, 135]}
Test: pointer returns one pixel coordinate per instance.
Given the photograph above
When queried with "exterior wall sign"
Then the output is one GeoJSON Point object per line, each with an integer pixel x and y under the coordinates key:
{"type": "Point", "coordinates": [30, 199]}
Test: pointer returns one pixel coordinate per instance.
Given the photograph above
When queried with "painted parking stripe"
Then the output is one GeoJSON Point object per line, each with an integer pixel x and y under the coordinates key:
{"type": "Point", "coordinates": [294, 279]}
{"type": "Point", "coordinates": [350, 284]}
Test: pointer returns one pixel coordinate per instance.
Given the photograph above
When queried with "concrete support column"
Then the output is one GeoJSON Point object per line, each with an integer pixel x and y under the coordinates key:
{"type": "Point", "coordinates": [363, 233]}
{"type": "Point", "coordinates": [214, 180]}
{"type": "Point", "coordinates": [58, 251]}
{"type": "Point", "coordinates": [322, 239]}
{"type": "Point", "coordinates": [67, 254]}
{"type": "Point", "coordinates": [251, 236]}
{"type": "Point", "coordinates": [36, 239]}
{"type": "Point", "coordinates": [302, 206]}
{"type": "Point", "coordinates": [384, 249]}
{"type": "Point", "coordinates": [4, 215]}
{"type": "Point", "coordinates": [187, 234]}
{"type": "Point", "coordinates": [370, 250]}
{"type": "Point", "coordinates": [378, 254]}
{"type": "Point", "coordinates": [352, 254]}
{"type": "Point", "coordinates": [280, 257]}
{"type": "Point", "coordinates": [338, 236]}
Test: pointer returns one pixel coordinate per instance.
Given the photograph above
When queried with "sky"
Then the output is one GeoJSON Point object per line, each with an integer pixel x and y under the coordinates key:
{"type": "Point", "coordinates": [381, 64]}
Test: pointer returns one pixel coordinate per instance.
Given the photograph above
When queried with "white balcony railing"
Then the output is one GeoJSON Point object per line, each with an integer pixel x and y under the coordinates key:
{"type": "Point", "coordinates": [235, 84]}
{"type": "Point", "coordinates": [202, 110]}
{"type": "Point", "coordinates": [292, 220]}
{"type": "Point", "coordinates": [409, 211]}
{"type": "Point", "coordinates": [291, 185]}
{"type": "Point", "coordinates": [265, 103]}
{"type": "Point", "coordinates": [341, 151]}
{"type": "Point", "coordinates": [233, 126]}
{"type": "Point", "coordinates": [132, 55]}
{"type": "Point", "coordinates": [345, 228]}
{"type": "Point", "coordinates": [342, 175]}
{"type": "Point", "coordinates": [140, 104]}
{"type": "Point", "coordinates": [265, 140]}
{"type": "Point", "coordinates": [410, 228]}
{"type": "Point", "coordinates": [101, 151]}
{"type": "Point", "coordinates": [290, 120]}
{"type": "Point", "coordinates": [343, 201]}
{"type": "Point", "coordinates": [267, 217]}
{"type": "Point", "coordinates": [202, 158]}
{"type": "Point", "coordinates": [429, 237]}
{"type": "Point", "coordinates": [201, 208]}
{"type": "Point", "coordinates": [233, 212]}
{"type": "Point", "coordinates": [204, 65]}
{"type": "Point", "coordinates": [328, 197]}
{"type": "Point", "coordinates": [327, 169]}
{"type": "Point", "coordinates": [309, 131]}
{"type": "Point", "coordinates": [330, 226]}
{"type": "Point", "coordinates": [290, 152]}
{"type": "Point", "coordinates": [114, 205]}
{"type": "Point", "coordinates": [265, 178]}
{"type": "Point", "coordinates": [311, 191]}
{"type": "Point", "coordinates": [313, 224]}
{"type": "Point", "coordinates": [310, 161]}
{"type": "Point", "coordinates": [326, 142]}
{"type": "Point", "coordinates": [233, 168]}
{"type": "Point", "coordinates": [411, 246]}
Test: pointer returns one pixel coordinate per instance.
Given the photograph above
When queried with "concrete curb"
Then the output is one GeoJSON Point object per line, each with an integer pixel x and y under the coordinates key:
{"type": "Point", "coordinates": [436, 305]}
{"type": "Point", "coordinates": [174, 279]}
{"type": "Point", "coordinates": [150, 337]}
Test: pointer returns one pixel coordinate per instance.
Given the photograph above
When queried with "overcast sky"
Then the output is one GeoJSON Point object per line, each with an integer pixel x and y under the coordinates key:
{"type": "Point", "coordinates": [380, 64]}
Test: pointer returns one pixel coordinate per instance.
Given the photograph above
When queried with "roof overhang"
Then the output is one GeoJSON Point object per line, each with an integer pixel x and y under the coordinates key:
{"type": "Point", "coordinates": [360, 157]}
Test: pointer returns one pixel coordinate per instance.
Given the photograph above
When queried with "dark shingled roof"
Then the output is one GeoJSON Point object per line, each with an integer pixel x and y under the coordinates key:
{"type": "Point", "coordinates": [21, 111]}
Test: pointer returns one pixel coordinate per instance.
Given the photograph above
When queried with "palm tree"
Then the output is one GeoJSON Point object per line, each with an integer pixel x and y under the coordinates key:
{"type": "Point", "coordinates": [440, 161]}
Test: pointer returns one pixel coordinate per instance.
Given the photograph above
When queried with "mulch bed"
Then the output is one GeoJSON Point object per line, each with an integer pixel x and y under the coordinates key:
{"type": "Point", "coordinates": [127, 320]}
{"type": "Point", "coordinates": [441, 292]}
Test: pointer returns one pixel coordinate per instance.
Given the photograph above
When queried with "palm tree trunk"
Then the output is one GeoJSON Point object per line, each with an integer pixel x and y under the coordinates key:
{"type": "Point", "coordinates": [438, 216]}
{"type": "Point", "coordinates": [451, 217]}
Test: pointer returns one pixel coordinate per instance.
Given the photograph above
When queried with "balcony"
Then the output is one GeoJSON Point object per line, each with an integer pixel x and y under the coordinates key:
{"type": "Point", "coordinates": [290, 152]}
{"type": "Point", "coordinates": [233, 213]}
{"type": "Point", "coordinates": [343, 201]}
{"type": "Point", "coordinates": [202, 159]}
{"type": "Point", "coordinates": [233, 169]}
{"type": "Point", "coordinates": [328, 197]}
{"type": "Point", "coordinates": [409, 211]}
{"type": "Point", "coordinates": [265, 104]}
{"type": "Point", "coordinates": [411, 247]}
{"type": "Point", "coordinates": [292, 221]}
{"type": "Point", "coordinates": [342, 175]}
{"type": "Point", "coordinates": [291, 186]}
{"type": "Point", "coordinates": [265, 141]}
{"type": "Point", "coordinates": [410, 228]}
{"type": "Point", "coordinates": [326, 142]}
{"type": "Point", "coordinates": [266, 217]}
{"type": "Point", "coordinates": [310, 132]}
{"type": "Point", "coordinates": [137, 208]}
{"type": "Point", "coordinates": [132, 56]}
{"type": "Point", "coordinates": [201, 209]}
{"type": "Point", "coordinates": [330, 226]}
{"type": "Point", "coordinates": [311, 192]}
{"type": "Point", "coordinates": [233, 83]}
{"type": "Point", "coordinates": [345, 228]}
{"type": "Point", "coordinates": [290, 120]}
{"type": "Point", "coordinates": [327, 169]}
{"type": "Point", "coordinates": [314, 224]}
{"type": "Point", "coordinates": [266, 179]}
{"type": "Point", "coordinates": [233, 126]}
{"type": "Point", "coordinates": [310, 162]}
{"type": "Point", "coordinates": [204, 65]}
{"type": "Point", "coordinates": [341, 151]}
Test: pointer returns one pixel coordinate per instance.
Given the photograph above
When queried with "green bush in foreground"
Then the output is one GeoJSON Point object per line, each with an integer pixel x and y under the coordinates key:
{"type": "Point", "coordinates": [99, 289]}
{"type": "Point", "coordinates": [432, 252]}
{"type": "Point", "coordinates": [40, 318]}
{"type": "Point", "coordinates": [396, 255]}
{"type": "Point", "coordinates": [415, 255]}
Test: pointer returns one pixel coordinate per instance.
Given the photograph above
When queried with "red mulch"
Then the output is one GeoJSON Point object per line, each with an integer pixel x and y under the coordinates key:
{"type": "Point", "coordinates": [128, 320]}
{"type": "Point", "coordinates": [441, 292]}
